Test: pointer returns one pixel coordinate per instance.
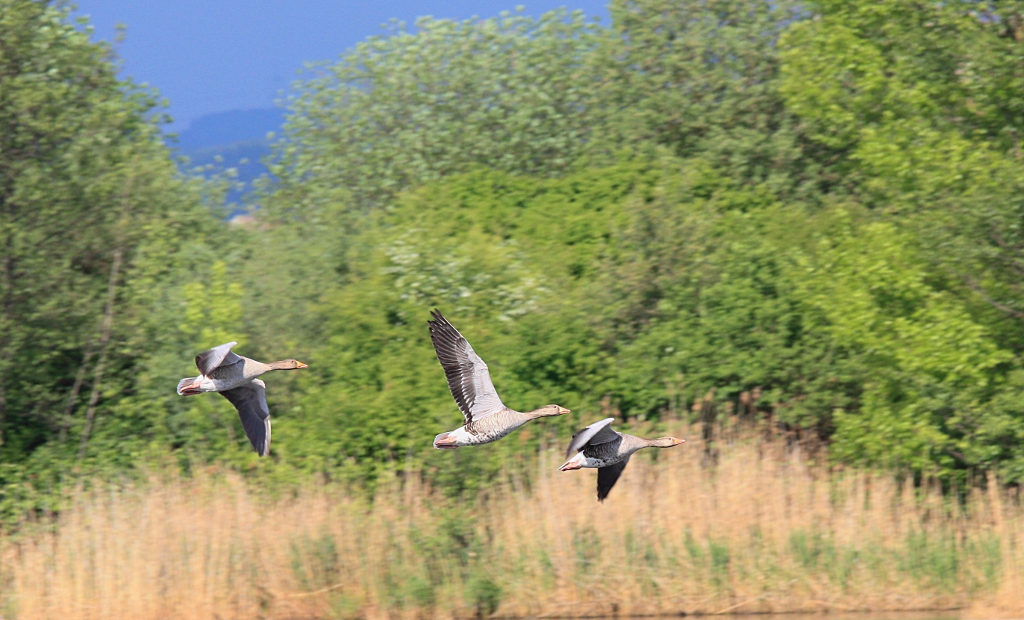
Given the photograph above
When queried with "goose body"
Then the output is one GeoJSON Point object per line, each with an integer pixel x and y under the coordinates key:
{"type": "Point", "coordinates": [485, 430]}
{"type": "Point", "coordinates": [600, 447]}
{"type": "Point", "coordinates": [485, 417]}
{"type": "Point", "coordinates": [229, 375]}
{"type": "Point", "coordinates": [236, 378]}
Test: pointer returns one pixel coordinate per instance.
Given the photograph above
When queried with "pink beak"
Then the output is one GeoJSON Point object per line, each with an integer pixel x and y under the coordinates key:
{"type": "Point", "coordinates": [569, 466]}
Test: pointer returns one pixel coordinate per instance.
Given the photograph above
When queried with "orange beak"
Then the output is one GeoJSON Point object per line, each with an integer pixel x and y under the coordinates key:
{"type": "Point", "coordinates": [676, 442]}
{"type": "Point", "coordinates": [301, 365]}
{"type": "Point", "coordinates": [562, 410]}
{"type": "Point", "coordinates": [571, 465]}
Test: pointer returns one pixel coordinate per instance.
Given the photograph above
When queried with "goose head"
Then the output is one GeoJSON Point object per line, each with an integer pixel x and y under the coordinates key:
{"type": "Point", "coordinates": [551, 410]}
{"type": "Point", "coordinates": [288, 364]}
{"type": "Point", "coordinates": [666, 442]}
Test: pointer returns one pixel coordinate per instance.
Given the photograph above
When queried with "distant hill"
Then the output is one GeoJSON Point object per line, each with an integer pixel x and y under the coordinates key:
{"type": "Point", "coordinates": [234, 136]}
{"type": "Point", "coordinates": [227, 127]}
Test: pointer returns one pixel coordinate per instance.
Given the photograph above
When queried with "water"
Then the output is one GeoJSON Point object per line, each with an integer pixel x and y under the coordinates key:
{"type": "Point", "coordinates": [952, 614]}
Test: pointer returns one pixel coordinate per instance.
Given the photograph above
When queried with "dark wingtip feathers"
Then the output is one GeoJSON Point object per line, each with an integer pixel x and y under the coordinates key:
{"type": "Point", "coordinates": [437, 320]}
{"type": "Point", "coordinates": [448, 343]}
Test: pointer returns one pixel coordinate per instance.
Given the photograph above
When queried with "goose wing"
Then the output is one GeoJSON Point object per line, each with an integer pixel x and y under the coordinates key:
{"type": "Point", "coordinates": [595, 434]}
{"type": "Point", "coordinates": [607, 477]}
{"type": "Point", "coordinates": [251, 402]}
{"type": "Point", "coordinates": [215, 357]}
{"type": "Point", "coordinates": [467, 374]}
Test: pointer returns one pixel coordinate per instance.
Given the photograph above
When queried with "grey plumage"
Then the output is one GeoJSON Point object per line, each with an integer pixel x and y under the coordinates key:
{"type": "Point", "coordinates": [607, 476]}
{"type": "Point", "coordinates": [615, 451]}
{"type": "Point", "coordinates": [251, 402]}
{"type": "Point", "coordinates": [497, 425]}
{"type": "Point", "coordinates": [596, 434]}
{"type": "Point", "coordinates": [217, 356]}
{"type": "Point", "coordinates": [485, 417]}
{"type": "Point", "coordinates": [469, 379]}
{"type": "Point", "coordinates": [491, 428]}
{"type": "Point", "coordinates": [241, 371]}
{"type": "Point", "coordinates": [235, 377]}
{"type": "Point", "coordinates": [599, 446]}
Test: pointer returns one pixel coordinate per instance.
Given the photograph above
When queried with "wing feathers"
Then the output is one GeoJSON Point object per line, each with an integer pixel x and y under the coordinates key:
{"type": "Point", "coordinates": [607, 477]}
{"type": "Point", "coordinates": [595, 434]}
{"type": "Point", "coordinates": [469, 380]}
{"type": "Point", "coordinates": [212, 358]}
{"type": "Point", "coordinates": [251, 402]}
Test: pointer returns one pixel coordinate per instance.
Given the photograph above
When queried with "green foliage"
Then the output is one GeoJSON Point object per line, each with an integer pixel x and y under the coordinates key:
{"type": "Point", "coordinates": [485, 594]}
{"type": "Point", "coordinates": [314, 561]}
{"type": "Point", "coordinates": [701, 78]}
{"type": "Point", "coordinates": [720, 271]}
{"type": "Point", "coordinates": [489, 268]}
{"type": "Point", "coordinates": [99, 235]}
{"type": "Point", "coordinates": [806, 215]}
{"type": "Point", "coordinates": [931, 369]}
{"type": "Point", "coordinates": [914, 103]}
{"type": "Point", "coordinates": [510, 92]}
{"type": "Point", "coordinates": [933, 558]}
{"type": "Point", "coordinates": [719, 554]}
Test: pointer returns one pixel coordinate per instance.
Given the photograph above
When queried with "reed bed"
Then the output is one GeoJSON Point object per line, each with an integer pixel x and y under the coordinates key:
{"type": "Point", "coordinates": [762, 530]}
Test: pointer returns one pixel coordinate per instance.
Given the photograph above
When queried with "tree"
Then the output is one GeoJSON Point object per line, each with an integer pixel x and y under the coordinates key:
{"type": "Point", "coordinates": [917, 107]}
{"type": "Point", "coordinates": [96, 225]}
{"type": "Point", "coordinates": [702, 79]}
{"type": "Point", "coordinates": [511, 92]}
{"type": "Point", "coordinates": [920, 106]}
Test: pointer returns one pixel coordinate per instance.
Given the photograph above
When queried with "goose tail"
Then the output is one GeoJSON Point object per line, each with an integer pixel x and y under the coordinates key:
{"type": "Point", "coordinates": [185, 384]}
{"type": "Point", "coordinates": [442, 442]}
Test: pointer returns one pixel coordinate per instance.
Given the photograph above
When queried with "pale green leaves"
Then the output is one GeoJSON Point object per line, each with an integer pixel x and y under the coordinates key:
{"type": "Point", "coordinates": [213, 310]}
{"type": "Point", "coordinates": [931, 366]}
{"type": "Point", "coordinates": [478, 276]}
{"type": "Point", "coordinates": [832, 79]}
{"type": "Point", "coordinates": [512, 92]}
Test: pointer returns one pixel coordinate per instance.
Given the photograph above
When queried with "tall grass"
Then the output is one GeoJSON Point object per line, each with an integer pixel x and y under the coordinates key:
{"type": "Point", "coordinates": [763, 530]}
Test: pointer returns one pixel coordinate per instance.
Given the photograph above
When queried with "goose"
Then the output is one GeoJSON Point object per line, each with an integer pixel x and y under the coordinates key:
{"type": "Point", "coordinates": [486, 418]}
{"type": "Point", "coordinates": [234, 376]}
{"type": "Point", "coordinates": [600, 447]}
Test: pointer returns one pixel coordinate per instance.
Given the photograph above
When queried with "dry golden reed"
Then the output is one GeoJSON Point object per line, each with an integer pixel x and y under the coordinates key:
{"type": "Point", "coordinates": [762, 530]}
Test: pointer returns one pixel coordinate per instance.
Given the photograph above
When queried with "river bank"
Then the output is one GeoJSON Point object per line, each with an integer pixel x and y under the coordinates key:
{"type": "Point", "coordinates": [765, 530]}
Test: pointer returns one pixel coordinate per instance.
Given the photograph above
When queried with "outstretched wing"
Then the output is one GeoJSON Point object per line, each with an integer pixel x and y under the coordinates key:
{"type": "Point", "coordinates": [251, 402]}
{"type": "Point", "coordinates": [468, 377]}
{"type": "Point", "coordinates": [217, 356]}
{"type": "Point", "coordinates": [595, 434]}
{"type": "Point", "coordinates": [607, 477]}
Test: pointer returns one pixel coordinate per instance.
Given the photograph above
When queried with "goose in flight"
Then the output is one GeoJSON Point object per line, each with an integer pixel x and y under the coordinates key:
{"type": "Point", "coordinates": [600, 447]}
{"type": "Point", "coordinates": [234, 377]}
{"type": "Point", "coordinates": [486, 418]}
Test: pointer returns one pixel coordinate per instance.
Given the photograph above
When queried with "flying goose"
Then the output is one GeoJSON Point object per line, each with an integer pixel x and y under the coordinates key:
{"type": "Point", "coordinates": [487, 419]}
{"type": "Point", "coordinates": [234, 377]}
{"type": "Point", "coordinates": [609, 451]}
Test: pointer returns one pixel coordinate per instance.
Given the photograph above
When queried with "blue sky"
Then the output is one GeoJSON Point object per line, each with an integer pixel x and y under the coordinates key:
{"type": "Point", "coordinates": [218, 55]}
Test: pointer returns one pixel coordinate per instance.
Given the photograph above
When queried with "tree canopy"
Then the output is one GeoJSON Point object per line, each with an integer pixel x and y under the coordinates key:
{"type": "Point", "coordinates": [804, 214]}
